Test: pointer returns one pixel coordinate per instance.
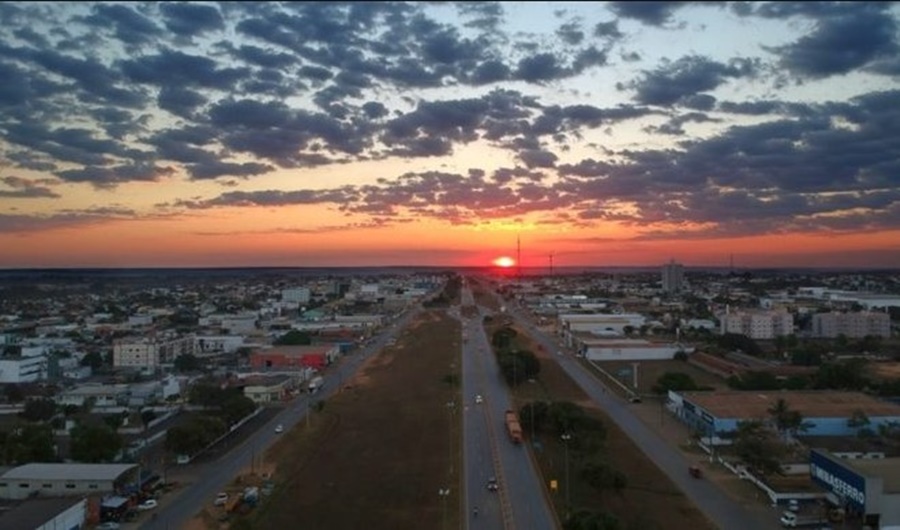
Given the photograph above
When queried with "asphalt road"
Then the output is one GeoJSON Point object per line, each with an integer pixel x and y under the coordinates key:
{"type": "Point", "coordinates": [214, 476]}
{"type": "Point", "coordinates": [712, 501]}
{"type": "Point", "coordinates": [521, 503]}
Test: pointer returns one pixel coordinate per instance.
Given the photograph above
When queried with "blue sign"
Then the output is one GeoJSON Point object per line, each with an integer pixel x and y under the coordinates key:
{"type": "Point", "coordinates": [843, 482]}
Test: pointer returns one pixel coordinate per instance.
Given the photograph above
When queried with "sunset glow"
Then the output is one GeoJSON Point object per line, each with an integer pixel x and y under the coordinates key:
{"type": "Point", "coordinates": [431, 133]}
{"type": "Point", "coordinates": [504, 262]}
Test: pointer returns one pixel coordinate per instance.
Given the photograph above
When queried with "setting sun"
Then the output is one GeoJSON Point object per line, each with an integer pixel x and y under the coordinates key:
{"type": "Point", "coordinates": [504, 261]}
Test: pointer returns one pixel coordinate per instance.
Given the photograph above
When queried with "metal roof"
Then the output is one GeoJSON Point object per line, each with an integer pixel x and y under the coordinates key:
{"type": "Point", "coordinates": [811, 404]}
{"type": "Point", "coordinates": [54, 471]}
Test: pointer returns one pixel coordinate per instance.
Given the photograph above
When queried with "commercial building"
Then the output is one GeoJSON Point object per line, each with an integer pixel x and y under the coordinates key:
{"type": "Point", "coordinates": [601, 324]}
{"type": "Point", "coordinates": [672, 277]}
{"type": "Point", "coordinates": [851, 325]}
{"type": "Point", "coordinates": [59, 480]}
{"type": "Point", "coordinates": [596, 349]}
{"type": "Point", "coordinates": [760, 325]}
{"type": "Point", "coordinates": [867, 489]}
{"type": "Point", "coordinates": [295, 357]}
{"type": "Point", "coordinates": [45, 514]}
{"type": "Point", "coordinates": [825, 413]}
{"type": "Point", "coordinates": [22, 369]}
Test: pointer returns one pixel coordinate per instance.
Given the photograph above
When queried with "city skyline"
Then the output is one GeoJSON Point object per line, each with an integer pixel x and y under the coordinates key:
{"type": "Point", "coordinates": [440, 134]}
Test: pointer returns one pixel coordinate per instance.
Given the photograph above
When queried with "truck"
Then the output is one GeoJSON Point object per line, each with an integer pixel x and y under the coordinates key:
{"type": "Point", "coordinates": [315, 384]}
{"type": "Point", "coordinates": [513, 427]}
{"type": "Point", "coordinates": [796, 520]}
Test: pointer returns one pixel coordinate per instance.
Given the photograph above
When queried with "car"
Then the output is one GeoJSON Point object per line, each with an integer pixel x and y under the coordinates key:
{"type": "Point", "coordinates": [479, 399]}
{"type": "Point", "coordinates": [794, 505]}
{"type": "Point", "coordinates": [148, 504]}
{"type": "Point", "coordinates": [108, 525]}
{"type": "Point", "coordinates": [221, 499]}
{"type": "Point", "coordinates": [279, 428]}
{"type": "Point", "coordinates": [492, 484]}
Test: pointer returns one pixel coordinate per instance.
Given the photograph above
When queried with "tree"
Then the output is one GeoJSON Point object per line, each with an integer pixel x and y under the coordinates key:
{"type": "Point", "coordinates": [756, 446]}
{"type": "Point", "coordinates": [95, 443]}
{"type": "Point", "coordinates": [13, 393]}
{"type": "Point", "coordinates": [846, 375]}
{"type": "Point", "coordinates": [147, 416]}
{"type": "Point", "coordinates": [187, 363]}
{"type": "Point", "coordinates": [39, 409]}
{"type": "Point", "coordinates": [28, 443]}
{"type": "Point", "coordinates": [675, 381]}
{"type": "Point", "coordinates": [93, 359]}
{"type": "Point", "coordinates": [601, 476]}
{"type": "Point", "coordinates": [588, 520]}
{"type": "Point", "coordinates": [294, 337]}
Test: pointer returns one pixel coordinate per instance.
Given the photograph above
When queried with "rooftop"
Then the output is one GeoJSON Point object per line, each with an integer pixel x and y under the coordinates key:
{"type": "Point", "coordinates": [54, 471]}
{"type": "Point", "coordinates": [296, 350]}
{"type": "Point", "coordinates": [811, 404]}
{"type": "Point", "coordinates": [886, 468]}
{"type": "Point", "coordinates": [33, 513]}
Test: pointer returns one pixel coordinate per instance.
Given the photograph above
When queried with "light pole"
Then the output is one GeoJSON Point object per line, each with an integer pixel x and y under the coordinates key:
{"type": "Point", "coordinates": [444, 493]}
{"type": "Point", "coordinates": [451, 407]}
{"type": "Point", "coordinates": [565, 438]}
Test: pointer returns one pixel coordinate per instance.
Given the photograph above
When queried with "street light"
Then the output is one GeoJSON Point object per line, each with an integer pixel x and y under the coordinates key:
{"type": "Point", "coordinates": [451, 407]}
{"type": "Point", "coordinates": [444, 493]}
{"type": "Point", "coordinates": [565, 438]}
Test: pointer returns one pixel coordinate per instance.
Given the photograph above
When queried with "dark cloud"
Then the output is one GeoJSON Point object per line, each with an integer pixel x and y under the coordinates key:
{"type": "Point", "coordinates": [650, 13]}
{"type": "Point", "coordinates": [216, 169]}
{"type": "Point", "coordinates": [540, 67]}
{"type": "Point", "coordinates": [109, 177]}
{"type": "Point", "coordinates": [608, 30]}
{"type": "Point", "coordinates": [571, 33]}
{"type": "Point", "coordinates": [20, 188]}
{"type": "Point", "coordinates": [538, 158]}
{"type": "Point", "coordinates": [180, 101]}
{"type": "Point", "coordinates": [127, 25]}
{"type": "Point", "coordinates": [687, 77]}
{"type": "Point", "coordinates": [173, 67]}
{"type": "Point", "coordinates": [188, 20]}
{"type": "Point", "coordinates": [841, 44]}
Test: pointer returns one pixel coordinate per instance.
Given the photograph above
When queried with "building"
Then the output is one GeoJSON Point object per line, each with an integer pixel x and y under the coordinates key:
{"type": "Point", "coordinates": [151, 352]}
{"type": "Point", "coordinates": [825, 413]}
{"type": "Point", "coordinates": [601, 324]}
{"type": "Point", "coordinates": [672, 277]}
{"type": "Point", "coordinates": [851, 325]}
{"type": "Point", "coordinates": [60, 480]}
{"type": "Point", "coordinates": [596, 349]}
{"type": "Point", "coordinates": [99, 395]}
{"type": "Point", "coordinates": [865, 488]}
{"type": "Point", "coordinates": [296, 296]}
{"type": "Point", "coordinates": [295, 357]}
{"type": "Point", "coordinates": [268, 389]}
{"type": "Point", "coordinates": [759, 325]}
{"type": "Point", "coordinates": [22, 369]}
{"type": "Point", "coordinates": [45, 514]}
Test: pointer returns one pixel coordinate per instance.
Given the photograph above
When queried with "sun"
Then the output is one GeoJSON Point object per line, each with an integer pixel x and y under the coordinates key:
{"type": "Point", "coordinates": [504, 262]}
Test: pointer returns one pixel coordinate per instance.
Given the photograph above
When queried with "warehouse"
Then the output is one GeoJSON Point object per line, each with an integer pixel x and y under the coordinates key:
{"type": "Point", "coordinates": [867, 489]}
{"type": "Point", "coordinates": [59, 480]}
{"type": "Point", "coordinates": [825, 413]}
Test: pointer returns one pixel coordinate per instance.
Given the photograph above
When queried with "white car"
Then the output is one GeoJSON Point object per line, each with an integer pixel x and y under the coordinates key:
{"type": "Point", "coordinates": [221, 499]}
{"type": "Point", "coordinates": [148, 504]}
{"type": "Point", "coordinates": [279, 428]}
{"type": "Point", "coordinates": [479, 399]}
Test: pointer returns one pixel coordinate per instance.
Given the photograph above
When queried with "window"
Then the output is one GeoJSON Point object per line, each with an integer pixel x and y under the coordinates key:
{"type": "Point", "coordinates": [24, 485]}
{"type": "Point", "coordinates": [47, 486]}
{"type": "Point", "coordinates": [70, 486]}
{"type": "Point", "coordinates": [92, 486]}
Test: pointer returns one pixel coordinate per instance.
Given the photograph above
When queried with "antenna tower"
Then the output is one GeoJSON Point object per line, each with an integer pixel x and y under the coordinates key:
{"type": "Point", "coordinates": [551, 264]}
{"type": "Point", "coordinates": [518, 258]}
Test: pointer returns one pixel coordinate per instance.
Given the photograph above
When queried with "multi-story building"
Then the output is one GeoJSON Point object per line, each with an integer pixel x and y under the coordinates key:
{"type": "Point", "coordinates": [298, 295]}
{"type": "Point", "coordinates": [150, 352]}
{"type": "Point", "coordinates": [851, 325]}
{"type": "Point", "coordinates": [761, 325]}
{"type": "Point", "coordinates": [22, 369]}
{"type": "Point", "coordinates": [672, 277]}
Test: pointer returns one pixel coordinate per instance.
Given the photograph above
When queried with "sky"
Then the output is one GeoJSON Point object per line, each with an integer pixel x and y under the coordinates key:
{"type": "Point", "coordinates": [170, 134]}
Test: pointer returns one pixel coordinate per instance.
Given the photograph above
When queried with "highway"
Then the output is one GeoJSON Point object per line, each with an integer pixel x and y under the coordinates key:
{"type": "Point", "coordinates": [214, 476]}
{"type": "Point", "coordinates": [712, 501]}
{"type": "Point", "coordinates": [520, 502]}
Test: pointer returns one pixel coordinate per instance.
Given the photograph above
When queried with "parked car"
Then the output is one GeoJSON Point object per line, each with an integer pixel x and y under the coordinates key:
{"type": "Point", "coordinates": [221, 499]}
{"type": "Point", "coordinates": [148, 504]}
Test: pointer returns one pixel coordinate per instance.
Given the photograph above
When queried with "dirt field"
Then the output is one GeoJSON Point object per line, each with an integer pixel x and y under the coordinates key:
{"type": "Point", "coordinates": [649, 372]}
{"type": "Point", "coordinates": [647, 485]}
{"type": "Point", "coordinates": [378, 453]}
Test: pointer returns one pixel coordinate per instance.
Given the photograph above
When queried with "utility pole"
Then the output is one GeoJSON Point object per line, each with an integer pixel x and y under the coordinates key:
{"type": "Point", "coordinates": [443, 493]}
{"type": "Point", "coordinates": [565, 438]}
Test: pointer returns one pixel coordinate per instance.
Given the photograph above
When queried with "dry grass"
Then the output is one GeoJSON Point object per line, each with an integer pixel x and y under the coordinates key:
{"type": "Point", "coordinates": [377, 454]}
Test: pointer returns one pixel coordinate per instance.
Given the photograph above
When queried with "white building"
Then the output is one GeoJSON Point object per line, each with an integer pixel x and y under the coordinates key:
{"type": "Point", "coordinates": [672, 277]}
{"type": "Point", "coordinates": [54, 480]}
{"type": "Point", "coordinates": [627, 350]}
{"type": "Point", "coordinates": [208, 345]}
{"type": "Point", "coordinates": [99, 394]}
{"type": "Point", "coordinates": [599, 324]}
{"type": "Point", "coordinates": [243, 323]}
{"type": "Point", "coordinates": [151, 352]}
{"type": "Point", "coordinates": [296, 296]}
{"type": "Point", "coordinates": [23, 369]}
{"type": "Point", "coordinates": [851, 325]}
{"type": "Point", "coordinates": [760, 325]}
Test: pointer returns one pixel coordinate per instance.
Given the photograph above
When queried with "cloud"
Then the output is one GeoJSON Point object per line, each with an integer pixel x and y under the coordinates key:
{"type": "Point", "coordinates": [650, 13]}
{"type": "Point", "coordinates": [841, 44]}
{"type": "Point", "coordinates": [188, 20]}
{"type": "Point", "coordinates": [685, 78]}
{"type": "Point", "coordinates": [20, 188]}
